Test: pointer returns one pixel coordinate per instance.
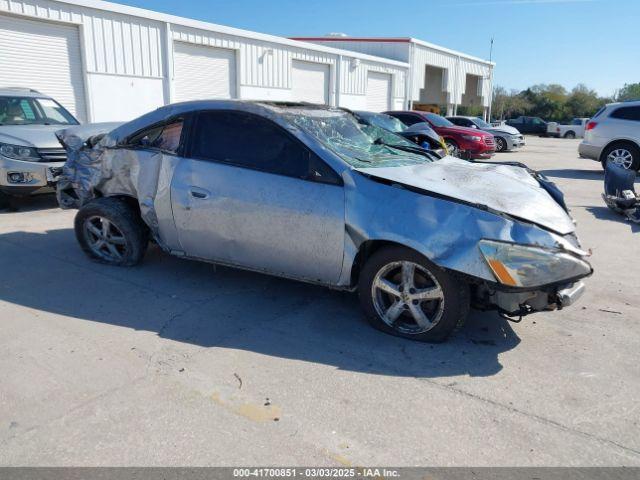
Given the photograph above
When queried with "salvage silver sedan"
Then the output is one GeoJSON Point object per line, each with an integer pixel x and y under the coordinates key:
{"type": "Point", "coordinates": [307, 193]}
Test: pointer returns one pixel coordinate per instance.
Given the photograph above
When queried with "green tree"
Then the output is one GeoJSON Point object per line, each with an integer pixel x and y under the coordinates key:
{"type": "Point", "coordinates": [583, 102]}
{"type": "Point", "coordinates": [630, 91]}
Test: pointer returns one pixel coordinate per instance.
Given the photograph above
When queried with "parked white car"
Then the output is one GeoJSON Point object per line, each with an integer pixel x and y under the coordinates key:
{"type": "Point", "coordinates": [574, 130]}
{"type": "Point", "coordinates": [613, 135]}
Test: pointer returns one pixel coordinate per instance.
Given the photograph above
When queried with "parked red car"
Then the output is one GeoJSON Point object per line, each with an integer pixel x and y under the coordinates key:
{"type": "Point", "coordinates": [462, 142]}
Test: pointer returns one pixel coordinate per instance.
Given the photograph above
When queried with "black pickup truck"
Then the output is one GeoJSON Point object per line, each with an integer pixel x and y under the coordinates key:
{"type": "Point", "coordinates": [533, 125]}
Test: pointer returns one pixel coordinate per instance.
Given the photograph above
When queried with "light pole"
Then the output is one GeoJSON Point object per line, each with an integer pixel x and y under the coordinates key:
{"type": "Point", "coordinates": [490, 82]}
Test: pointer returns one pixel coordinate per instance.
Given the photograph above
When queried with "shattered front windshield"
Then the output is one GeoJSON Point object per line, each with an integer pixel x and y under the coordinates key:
{"type": "Point", "coordinates": [362, 146]}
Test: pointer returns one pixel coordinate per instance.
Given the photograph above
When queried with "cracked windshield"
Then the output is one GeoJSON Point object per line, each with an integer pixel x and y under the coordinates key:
{"type": "Point", "coordinates": [363, 146]}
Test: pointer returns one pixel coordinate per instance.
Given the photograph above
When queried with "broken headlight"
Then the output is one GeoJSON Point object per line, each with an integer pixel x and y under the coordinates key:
{"type": "Point", "coordinates": [525, 266]}
{"type": "Point", "coordinates": [18, 152]}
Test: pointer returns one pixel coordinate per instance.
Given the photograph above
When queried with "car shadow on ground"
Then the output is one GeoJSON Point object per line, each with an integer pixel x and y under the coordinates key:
{"type": "Point", "coordinates": [605, 213]}
{"type": "Point", "coordinates": [28, 204]}
{"type": "Point", "coordinates": [198, 304]}
{"type": "Point", "coordinates": [574, 174]}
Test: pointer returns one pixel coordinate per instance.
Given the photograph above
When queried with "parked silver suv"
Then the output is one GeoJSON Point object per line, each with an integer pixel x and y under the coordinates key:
{"type": "Point", "coordinates": [613, 135]}
{"type": "Point", "coordinates": [31, 158]}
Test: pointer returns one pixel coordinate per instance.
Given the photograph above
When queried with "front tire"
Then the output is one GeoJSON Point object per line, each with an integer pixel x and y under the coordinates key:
{"type": "Point", "coordinates": [404, 294]}
{"type": "Point", "coordinates": [112, 232]}
{"type": "Point", "coordinates": [452, 148]}
{"type": "Point", "coordinates": [501, 144]}
{"type": "Point", "coordinates": [5, 201]}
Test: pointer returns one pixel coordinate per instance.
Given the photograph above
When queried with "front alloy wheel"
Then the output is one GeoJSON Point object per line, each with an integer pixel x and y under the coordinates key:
{"type": "Point", "coordinates": [407, 297]}
{"type": "Point", "coordinates": [404, 294]}
{"type": "Point", "coordinates": [452, 148]}
{"type": "Point", "coordinates": [501, 144]}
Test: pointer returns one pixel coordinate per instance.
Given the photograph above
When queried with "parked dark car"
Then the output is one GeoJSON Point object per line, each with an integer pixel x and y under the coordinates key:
{"type": "Point", "coordinates": [461, 142]}
{"type": "Point", "coordinates": [531, 125]}
{"type": "Point", "coordinates": [419, 133]}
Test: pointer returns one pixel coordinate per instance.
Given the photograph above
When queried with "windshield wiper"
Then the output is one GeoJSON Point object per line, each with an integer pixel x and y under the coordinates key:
{"type": "Point", "coordinates": [404, 148]}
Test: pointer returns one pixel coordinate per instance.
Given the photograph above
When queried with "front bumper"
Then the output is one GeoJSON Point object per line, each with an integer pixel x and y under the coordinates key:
{"type": "Point", "coordinates": [514, 143]}
{"type": "Point", "coordinates": [571, 294]}
{"type": "Point", "coordinates": [18, 177]}
{"type": "Point", "coordinates": [520, 303]}
{"type": "Point", "coordinates": [480, 155]}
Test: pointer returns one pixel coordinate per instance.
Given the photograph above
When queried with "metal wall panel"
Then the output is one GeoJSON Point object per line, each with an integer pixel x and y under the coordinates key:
{"type": "Point", "coordinates": [44, 56]}
{"type": "Point", "coordinates": [114, 43]}
{"type": "Point", "coordinates": [203, 72]}
{"type": "Point", "coordinates": [132, 42]}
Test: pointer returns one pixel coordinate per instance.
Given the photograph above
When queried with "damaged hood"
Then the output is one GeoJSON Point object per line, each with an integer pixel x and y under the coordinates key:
{"type": "Point", "coordinates": [502, 129]}
{"type": "Point", "coordinates": [37, 136]}
{"type": "Point", "coordinates": [503, 188]}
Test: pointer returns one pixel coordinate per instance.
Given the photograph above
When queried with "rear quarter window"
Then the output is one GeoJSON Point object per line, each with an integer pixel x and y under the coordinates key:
{"type": "Point", "coordinates": [627, 113]}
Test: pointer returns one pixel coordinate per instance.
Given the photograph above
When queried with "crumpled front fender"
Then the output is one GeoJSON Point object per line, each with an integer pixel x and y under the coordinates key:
{"type": "Point", "coordinates": [443, 230]}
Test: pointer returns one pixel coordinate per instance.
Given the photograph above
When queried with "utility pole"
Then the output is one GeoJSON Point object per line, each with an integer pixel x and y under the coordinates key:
{"type": "Point", "coordinates": [490, 81]}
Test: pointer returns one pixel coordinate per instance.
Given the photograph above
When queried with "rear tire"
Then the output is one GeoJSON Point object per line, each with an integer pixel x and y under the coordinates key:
{"type": "Point", "coordinates": [570, 134]}
{"type": "Point", "coordinates": [112, 232]}
{"type": "Point", "coordinates": [624, 154]}
{"type": "Point", "coordinates": [404, 294]}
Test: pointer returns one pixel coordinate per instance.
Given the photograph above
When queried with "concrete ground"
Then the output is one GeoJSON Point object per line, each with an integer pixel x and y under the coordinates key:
{"type": "Point", "coordinates": [180, 363]}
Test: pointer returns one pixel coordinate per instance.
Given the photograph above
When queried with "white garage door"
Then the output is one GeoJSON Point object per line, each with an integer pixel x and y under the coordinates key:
{"type": "Point", "coordinates": [44, 56]}
{"type": "Point", "coordinates": [202, 72]}
{"type": "Point", "coordinates": [310, 82]}
{"type": "Point", "coordinates": [378, 91]}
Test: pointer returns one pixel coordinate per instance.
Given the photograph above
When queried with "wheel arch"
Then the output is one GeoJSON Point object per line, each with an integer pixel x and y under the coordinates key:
{"type": "Point", "coordinates": [618, 141]}
{"type": "Point", "coordinates": [369, 247]}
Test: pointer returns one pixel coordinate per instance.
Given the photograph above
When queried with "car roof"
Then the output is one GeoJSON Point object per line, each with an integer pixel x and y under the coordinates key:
{"type": "Point", "coordinates": [167, 112]}
{"type": "Point", "coordinates": [632, 103]}
{"type": "Point", "coordinates": [21, 92]}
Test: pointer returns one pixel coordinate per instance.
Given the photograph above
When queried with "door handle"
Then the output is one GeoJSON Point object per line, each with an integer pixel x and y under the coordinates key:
{"type": "Point", "coordinates": [200, 193]}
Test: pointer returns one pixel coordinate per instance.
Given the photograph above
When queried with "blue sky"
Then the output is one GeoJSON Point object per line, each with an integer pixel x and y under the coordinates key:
{"type": "Point", "coordinates": [595, 42]}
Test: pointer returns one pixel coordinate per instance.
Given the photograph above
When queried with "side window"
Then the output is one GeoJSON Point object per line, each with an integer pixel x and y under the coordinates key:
{"type": "Point", "coordinates": [163, 137]}
{"type": "Point", "coordinates": [627, 113]}
{"type": "Point", "coordinates": [407, 118]}
{"type": "Point", "coordinates": [456, 121]}
{"type": "Point", "coordinates": [250, 141]}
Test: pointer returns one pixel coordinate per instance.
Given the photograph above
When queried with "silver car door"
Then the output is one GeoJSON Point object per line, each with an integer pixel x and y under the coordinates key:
{"type": "Point", "coordinates": [235, 204]}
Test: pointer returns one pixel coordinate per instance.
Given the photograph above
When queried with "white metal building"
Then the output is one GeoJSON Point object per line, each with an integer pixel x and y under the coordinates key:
{"type": "Point", "coordinates": [110, 62]}
{"type": "Point", "coordinates": [439, 76]}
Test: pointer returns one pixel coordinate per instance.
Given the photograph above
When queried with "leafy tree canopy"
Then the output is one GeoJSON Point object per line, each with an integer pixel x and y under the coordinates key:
{"type": "Point", "coordinates": [553, 102]}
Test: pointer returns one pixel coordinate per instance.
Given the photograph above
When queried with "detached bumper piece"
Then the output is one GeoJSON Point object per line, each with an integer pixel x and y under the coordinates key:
{"type": "Point", "coordinates": [514, 305]}
{"type": "Point", "coordinates": [570, 295]}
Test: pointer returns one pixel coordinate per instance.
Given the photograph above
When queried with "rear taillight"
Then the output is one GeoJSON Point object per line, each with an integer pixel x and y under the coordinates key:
{"type": "Point", "coordinates": [590, 125]}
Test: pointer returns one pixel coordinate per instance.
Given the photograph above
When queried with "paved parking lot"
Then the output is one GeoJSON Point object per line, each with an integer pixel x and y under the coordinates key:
{"type": "Point", "coordinates": [181, 363]}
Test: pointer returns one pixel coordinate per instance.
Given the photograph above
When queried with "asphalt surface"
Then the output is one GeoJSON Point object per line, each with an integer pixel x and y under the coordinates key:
{"type": "Point", "coordinates": [175, 362]}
